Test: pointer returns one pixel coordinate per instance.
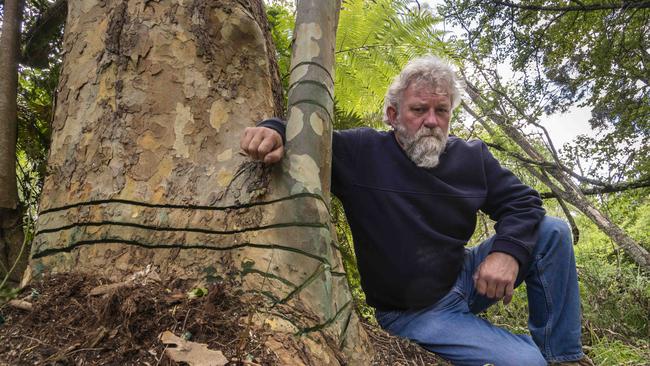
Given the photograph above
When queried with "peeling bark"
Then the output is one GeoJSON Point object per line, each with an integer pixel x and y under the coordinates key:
{"type": "Point", "coordinates": [145, 165]}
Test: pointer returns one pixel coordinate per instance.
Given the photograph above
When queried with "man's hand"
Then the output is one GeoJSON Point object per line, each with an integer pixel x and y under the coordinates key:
{"type": "Point", "coordinates": [262, 143]}
{"type": "Point", "coordinates": [495, 277]}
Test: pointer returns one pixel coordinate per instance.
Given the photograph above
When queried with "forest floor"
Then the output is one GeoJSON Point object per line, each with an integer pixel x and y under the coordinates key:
{"type": "Point", "coordinates": [76, 319]}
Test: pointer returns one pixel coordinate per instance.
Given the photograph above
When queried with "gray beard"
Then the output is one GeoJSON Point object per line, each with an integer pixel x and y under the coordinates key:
{"type": "Point", "coordinates": [423, 148]}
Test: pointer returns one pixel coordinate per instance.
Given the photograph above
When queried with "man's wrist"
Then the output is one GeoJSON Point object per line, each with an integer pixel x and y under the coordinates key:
{"type": "Point", "coordinates": [277, 125]}
{"type": "Point", "coordinates": [517, 251]}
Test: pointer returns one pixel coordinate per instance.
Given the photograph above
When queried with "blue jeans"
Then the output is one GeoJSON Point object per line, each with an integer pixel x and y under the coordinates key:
{"type": "Point", "coordinates": [451, 328]}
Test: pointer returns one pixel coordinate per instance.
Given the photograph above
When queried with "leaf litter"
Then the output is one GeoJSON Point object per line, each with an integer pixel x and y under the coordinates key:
{"type": "Point", "coordinates": [80, 319]}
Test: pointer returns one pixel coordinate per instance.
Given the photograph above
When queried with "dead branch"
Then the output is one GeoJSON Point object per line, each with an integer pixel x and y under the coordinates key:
{"type": "Point", "coordinates": [589, 7]}
{"type": "Point", "coordinates": [621, 187]}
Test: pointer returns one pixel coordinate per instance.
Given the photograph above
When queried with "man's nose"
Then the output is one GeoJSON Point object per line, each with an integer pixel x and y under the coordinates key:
{"type": "Point", "coordinates": [430, 120]}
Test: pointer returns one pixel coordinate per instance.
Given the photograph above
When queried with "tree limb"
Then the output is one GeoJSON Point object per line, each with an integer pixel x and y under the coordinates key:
{"type": "Point", "coordinates": [590, 7]}
{"type": "Point", "coordinates": [571, 193]}
{"type": "Point", "coordinates": [603, 187]}
{"type": "Point", "coordinates": [567, 213]}
{"type": "Point", "coordinates": [549, 165]}
{"type": "Point", "coordinates": [609, 189]}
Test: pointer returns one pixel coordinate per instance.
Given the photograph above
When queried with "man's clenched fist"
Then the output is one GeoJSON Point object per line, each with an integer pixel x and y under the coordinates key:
{"type": "Point", "coordinates": [262, 143]}
{"type": "Point", "coordinates": [496, 275]}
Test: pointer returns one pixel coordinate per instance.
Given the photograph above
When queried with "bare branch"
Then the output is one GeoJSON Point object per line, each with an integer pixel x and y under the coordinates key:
{"type": "Point", "coordinates": [571, 192]}
{"type": "Point", "coordinates": [590, 7]}
{"type": "Point", "coordinates": [567, 213]}
{"type": "Point", "coordinates": [625, 186]}
{"type": "Point", "coordinates": [548, 165]}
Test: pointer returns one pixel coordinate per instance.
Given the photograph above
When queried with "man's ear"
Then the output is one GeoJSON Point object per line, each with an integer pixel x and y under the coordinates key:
{"type": "Point", "coordinates": [391, 112]}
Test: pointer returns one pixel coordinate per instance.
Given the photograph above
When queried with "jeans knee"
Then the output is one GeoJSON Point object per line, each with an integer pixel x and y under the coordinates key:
{"type": "Point", "coordinates": [552, 224]}
{"type": "Point", "coordinates": [533, 358]}
{"type": "Point", "coordinates": [556, 232]}
{"type": "Point", "coordinates": [529, 356]}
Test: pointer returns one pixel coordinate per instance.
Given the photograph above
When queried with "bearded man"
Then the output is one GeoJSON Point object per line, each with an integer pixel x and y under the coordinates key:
{"type": "Point", "coordinates": [411, 196]}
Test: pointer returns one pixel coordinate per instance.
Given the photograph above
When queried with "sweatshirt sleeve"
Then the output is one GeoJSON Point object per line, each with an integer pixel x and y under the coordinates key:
{"type": "Point", "coordinates": [344, 146]}
{"type": "Point", "coordinates": [516, 208]}
{"type": "Point", "coordinates": [276, 124]}
{"type": "Point", "coordinates": [344, 152]}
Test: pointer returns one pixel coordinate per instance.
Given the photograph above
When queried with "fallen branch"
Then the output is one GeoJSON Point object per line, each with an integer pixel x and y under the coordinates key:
{"type": "Point", "coordinates": [105, 289]}
{"type": "Point", "coordinates": [139, 278]}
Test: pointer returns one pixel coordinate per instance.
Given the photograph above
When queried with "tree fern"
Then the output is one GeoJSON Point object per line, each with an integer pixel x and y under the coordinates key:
{"type": "Point", "coordinates": [375, 39]}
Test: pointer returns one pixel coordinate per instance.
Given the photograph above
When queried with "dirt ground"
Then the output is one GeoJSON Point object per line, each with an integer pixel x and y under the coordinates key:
{"type": "Point", "coordinates": [67, 325]}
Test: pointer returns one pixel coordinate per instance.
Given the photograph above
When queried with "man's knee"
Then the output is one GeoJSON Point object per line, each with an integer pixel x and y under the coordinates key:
{"type": "Point", "coordinates": [522, 356]}
{"type": "Point", "coordinates": [555, 232]}
{"type": "Point", "coordinates": [554, 225]}
{"type": "Point", "coordinates": [527, 355]}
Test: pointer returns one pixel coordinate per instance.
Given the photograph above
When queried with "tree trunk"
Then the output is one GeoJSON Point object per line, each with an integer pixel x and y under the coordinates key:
{"type": "Point", "coordinates": [145, 165]}
{"type": "Point", "coordinates": [11, 232]}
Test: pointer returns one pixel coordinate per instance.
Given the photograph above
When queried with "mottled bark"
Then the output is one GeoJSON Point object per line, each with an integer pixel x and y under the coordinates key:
{"type": "Point", "coordinates": [145, 165]}
{"type": "Point", "coordinates": [306, 168]}
{"type": "Point", "coordinates": [11, 234]}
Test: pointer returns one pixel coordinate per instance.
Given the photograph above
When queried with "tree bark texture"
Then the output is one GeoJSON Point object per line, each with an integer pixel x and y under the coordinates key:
{"type": "Point", "coordinates": [145, 168]}
{"type": "Point", "coordinates": [9, 41]}
{"type": "Point", "coordinates": [11, 232]}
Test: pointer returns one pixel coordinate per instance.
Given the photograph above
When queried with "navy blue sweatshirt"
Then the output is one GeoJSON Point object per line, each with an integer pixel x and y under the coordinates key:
{"type": "Point", "coordinates": [410, 224]}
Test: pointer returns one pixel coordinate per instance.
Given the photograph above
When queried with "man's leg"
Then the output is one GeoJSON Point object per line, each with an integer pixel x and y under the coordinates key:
{"type": "Point", "coordinates": [552, 289]}
{"type": "Point", "coordinates": [553, 294]}
{"type": "Point", "coordinates": [451, 329]}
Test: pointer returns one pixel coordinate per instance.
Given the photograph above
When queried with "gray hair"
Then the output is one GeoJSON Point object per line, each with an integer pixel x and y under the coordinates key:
{"type": "Point", "coordinates": [425, 71]}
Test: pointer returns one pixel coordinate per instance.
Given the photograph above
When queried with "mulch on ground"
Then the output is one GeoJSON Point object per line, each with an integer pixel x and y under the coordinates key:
{"type": "Point", "coordinates": [121, 325]}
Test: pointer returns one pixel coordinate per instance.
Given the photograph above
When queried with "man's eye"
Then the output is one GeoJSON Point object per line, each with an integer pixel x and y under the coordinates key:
{"type": "Point", "coordinates": [443, 110]}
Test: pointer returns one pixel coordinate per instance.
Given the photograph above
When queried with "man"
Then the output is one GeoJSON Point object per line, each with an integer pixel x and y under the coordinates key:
{"type": "Point", "coordinates": [411, 196]}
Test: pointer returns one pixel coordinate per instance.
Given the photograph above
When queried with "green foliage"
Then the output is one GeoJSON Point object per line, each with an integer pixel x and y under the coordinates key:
{"type": "Point", "coordinates": [282, 20]}
{"type": "Point", "coordinates": [608, 352]}
{"type": "Point", "coordinates": [197, 292]}
{"type": "Point", "coordinates": [514, 316]}
{"type": "Point", "coordinates": [597, 57]}
{"type": "Point", "coordinates": [562, 59]}
{"type": "Point", "coordinates": [42, 34]}
{"type": "Point", "coordinates": [35, 96]}
{"type": "Point", "coordinates": [8, 293]}
{"type": "Point", "coordinates": [616, 298]}
{"type": "Point", "coordinates": [374, 41]}
{"type": "Point", "coordinates": [346, 246]}
{"type": "Point", "coordinates": [615, 293]}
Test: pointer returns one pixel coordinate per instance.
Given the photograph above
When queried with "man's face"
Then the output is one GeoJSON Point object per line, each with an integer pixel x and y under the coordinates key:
{"type": "Point", "coordinates": [422, 124]}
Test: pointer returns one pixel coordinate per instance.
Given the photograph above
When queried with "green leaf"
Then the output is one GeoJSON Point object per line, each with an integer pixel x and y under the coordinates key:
{"type": "Point", "coordinates": [197, 292]}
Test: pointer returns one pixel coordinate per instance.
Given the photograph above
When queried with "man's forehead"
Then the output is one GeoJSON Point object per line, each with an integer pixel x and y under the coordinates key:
{"type": "Point", "coordinates": [428, 91]}
{"type": "Point", "coordinates": [425, 85]}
